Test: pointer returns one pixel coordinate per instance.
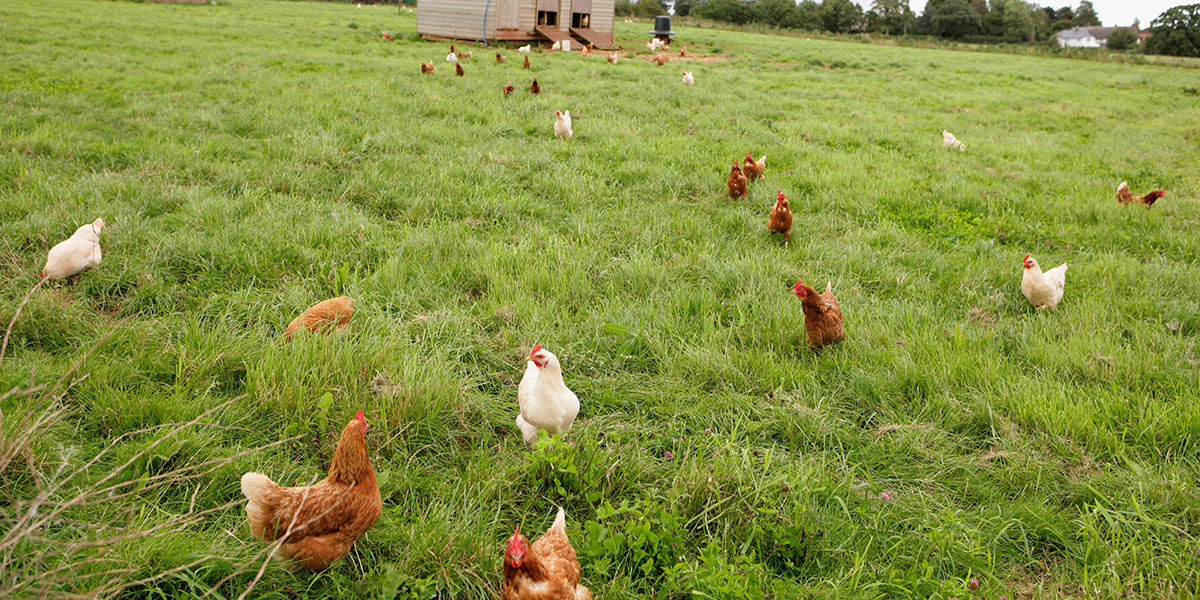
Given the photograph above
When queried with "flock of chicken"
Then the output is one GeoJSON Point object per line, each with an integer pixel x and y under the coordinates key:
{"type": "Point", "coordinates": [318, 524]}
{"type": "Point", "coordinates": [562, 119]}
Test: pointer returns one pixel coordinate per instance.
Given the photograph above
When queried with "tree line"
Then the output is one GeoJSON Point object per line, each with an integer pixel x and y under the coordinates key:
{"type": "Point", "coordinates": [1012, 21]}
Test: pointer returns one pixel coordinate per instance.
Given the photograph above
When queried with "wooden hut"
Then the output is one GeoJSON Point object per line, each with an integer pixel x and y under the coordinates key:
{"type": "Point", "coordinates": [581, 21]}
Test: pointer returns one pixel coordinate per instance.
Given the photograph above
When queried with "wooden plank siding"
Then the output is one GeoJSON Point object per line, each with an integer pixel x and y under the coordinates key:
{"type": "Point", "coordinates": [463, 19]}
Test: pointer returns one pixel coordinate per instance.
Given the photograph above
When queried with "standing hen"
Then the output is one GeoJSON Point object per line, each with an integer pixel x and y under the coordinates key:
{"type": "Point", "coordinates": [458, 69]}
{"type": "Point", "coordinates": [321, 522]}
{"type": "Point", "coordinates": [562, 125]}
{"type": "Point", "coordinates": [1043, 290]}
{"type": "Point", "coordinates": [780, 219]}
{"type": "Point", "coordinates": [545, 401]}
{"type": "Point", "coordinates": [822, 315]}
{"type": "Point", "coordinates": [736, 182]}
{"type": "Point", "coordinates": [1124, 196]}
{"type": "Point", "coordinates": [426, 68]}
{"type": "Point", "coordinates": [754, 168]}
{"type": "Point", "coordinates": [508, 89]}
{"type": "Point", "coordinates": [75, 253]}
{"type": "Point", "coordinates": [526, 63]}
{"type": "Point", "coordinates": [534, 88]}
{"type": "Point", "coordinates": [499, 57]}
{"type": "Point", "coordinates": [326, 316]}
{"type": "Point", "coordinates": [545, 570]}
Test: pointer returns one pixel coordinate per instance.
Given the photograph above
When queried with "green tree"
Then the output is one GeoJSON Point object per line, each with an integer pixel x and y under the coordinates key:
{"type": "Point", "coordinates": [841, 16]}
{"type": "Point", "coordinates": [1176, 32]}
{"type": "Point", "coordinates": [954, 19]}
{"type": "Point", "coordinates": [648, 8]}
{"type": "Point", "coordinates": [895, 16]}
{"type": "Point", "coordinates": [730, 11]}
{"type": "Point", "coordinates": [808, 15]}
{"type": "Point", "coordinates": [1121, 39]}
{"type": "Point", "coordinates": [776, 13]}
{"type": "Point", "coordinates": [1086, 14]}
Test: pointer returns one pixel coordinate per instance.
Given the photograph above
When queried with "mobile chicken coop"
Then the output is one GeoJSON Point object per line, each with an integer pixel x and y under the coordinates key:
{"type": "Point", "coordinates": [581, 21]}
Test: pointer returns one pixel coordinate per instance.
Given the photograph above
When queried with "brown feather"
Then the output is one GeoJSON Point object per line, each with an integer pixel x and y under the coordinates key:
{"type": "Point", "coordinates": [550, 571]}
{"type": "Point", "coordinates": [736, 182]}
{"type": "Point", "coordinates": [325, 519]}
{"type": "Point", "coordinates": [780, 219]}
{"type": "Point", "coordinates": [323, 317]}
{"type": "Point", "coordinates": [822, 317]}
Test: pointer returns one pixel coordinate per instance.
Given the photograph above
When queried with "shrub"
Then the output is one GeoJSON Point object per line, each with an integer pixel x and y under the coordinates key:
{"type": "Point", "coordinates": [1121, 39]}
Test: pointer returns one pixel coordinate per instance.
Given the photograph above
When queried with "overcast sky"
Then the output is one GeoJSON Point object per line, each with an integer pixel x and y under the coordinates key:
{"type": "Point", "coordinates": [1112, 12]}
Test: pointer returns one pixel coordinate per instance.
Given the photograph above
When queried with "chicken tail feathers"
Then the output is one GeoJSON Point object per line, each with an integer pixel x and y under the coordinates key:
{"type": "Point", "coordinates": [829, 287]}
{"type": "Point", "coordinates": [255, 486]}
{"type": "Point", "coordinates": [560, 522]}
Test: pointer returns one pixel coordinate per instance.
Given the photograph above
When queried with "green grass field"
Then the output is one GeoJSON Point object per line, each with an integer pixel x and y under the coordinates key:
{"type": "Point", "coordinates": [254, 158]}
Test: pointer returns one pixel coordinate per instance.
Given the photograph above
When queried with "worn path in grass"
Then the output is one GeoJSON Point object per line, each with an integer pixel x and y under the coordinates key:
{"type": "Point", "coordinates": [254, 158]}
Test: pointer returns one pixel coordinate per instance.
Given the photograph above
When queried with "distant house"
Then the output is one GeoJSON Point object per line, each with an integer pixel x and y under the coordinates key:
{"type": "Point", "coordinates": [1092, 37]}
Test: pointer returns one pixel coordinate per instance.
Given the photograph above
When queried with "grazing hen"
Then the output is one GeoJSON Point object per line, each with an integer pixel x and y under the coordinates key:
{"type": "Point", "coordinates": [545, 401]}
{"type": "Point", "coordinates": [545, 570]}
{"type": "Point", "coordinates": [1124, 196]}
{"type": "Point", "coordinates": [822, 315]}
{"type": "Point", "coordinates": [458, 69]}
{"type": "Point", "coordinates": [736, 182]}
{"type": "Point", "coordinates": [499, 57]}
{"type": "Point", "coordinates": [321, 522]}
{"type": "Point", "coordinates": [613, 58]}
{"type": "Point", "coordinates": [662, 59]}
{"type": "Point", "coordinates": [949, 141]}
{"type": "Point", "coordinates": [387, 37]}
{"type": "Point", "coordinates": [323, 317]}
{"type": "Point", "coordinates": [1043, 290]}
{"type": "Point", "coordinates": [75, 253]}
{"type": "Point", "coordinates": [426, 68]}
{"type": "Point", "coordinates": [508, 89]}
{"type": "Point", "coordinates": [525, 48]}
{"type": "Point", "coordinates": [780, 219]}
{"type": "Point", "coordinates": [754, 168]}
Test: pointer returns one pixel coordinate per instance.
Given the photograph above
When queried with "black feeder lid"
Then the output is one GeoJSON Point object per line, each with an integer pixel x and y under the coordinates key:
{"type": "Point", "coordinates": [662, 26]}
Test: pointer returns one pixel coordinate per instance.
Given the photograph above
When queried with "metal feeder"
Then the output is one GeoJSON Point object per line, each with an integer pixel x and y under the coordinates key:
{"type": "Point", "coordinates": [662, 29]}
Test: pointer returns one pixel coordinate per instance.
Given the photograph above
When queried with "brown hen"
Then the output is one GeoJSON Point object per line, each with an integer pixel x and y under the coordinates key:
{"type": "Point", "coordinates": [323, 317]}
{"type": "Point", "coordinates": [545, 570]}
{"type": "Point", "coordinates": [319, 523]}
{"type": "Point", "coordinates": [736, 182]}
{"type": "Point", "coordinates": [822, 315]}
{"type": "Point", "coordinates": [780, 219]}
{"type": "Point", "coordinates": [1124, 196]}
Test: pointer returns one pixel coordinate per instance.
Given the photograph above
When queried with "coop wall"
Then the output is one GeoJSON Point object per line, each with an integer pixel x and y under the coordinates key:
{"type": "Point", "coordinates": [461, 19]}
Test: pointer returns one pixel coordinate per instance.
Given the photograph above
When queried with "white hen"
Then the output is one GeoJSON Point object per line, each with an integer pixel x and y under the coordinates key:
{"type": "Point", "coordinates": [451, 57]}
{"type": "Point", "coordinates": [688, 79]}
{"type": "Point", "coordinates": [524, 48]}
{"type": "Point", "coordinates": [545, 401]}
{"type": "Point", "coordinates": [562, 125]}
{"type": "Point", "coordinates": [949, 141]}
{"type": "Point", "coordinates": [76, 253]}
{"type": "Point", "coordinates": [1044, 290]}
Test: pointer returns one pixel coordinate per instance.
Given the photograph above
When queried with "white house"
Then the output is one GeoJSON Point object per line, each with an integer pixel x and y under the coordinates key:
{"type": "Point", "coordinates": [1089, 37]}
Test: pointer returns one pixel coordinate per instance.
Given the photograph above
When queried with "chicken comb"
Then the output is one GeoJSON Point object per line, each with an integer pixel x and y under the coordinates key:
{"type": "Point", "coordinates": [1025, 259]}
{"type": "Point", "coordinates": [359, 416]}
{"type": "Point", "coordinates": [780, 195]}
{"type": "Point", "coordinates": [535, 350]}
{"type": "Point", "coordinates": [798, 288]}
